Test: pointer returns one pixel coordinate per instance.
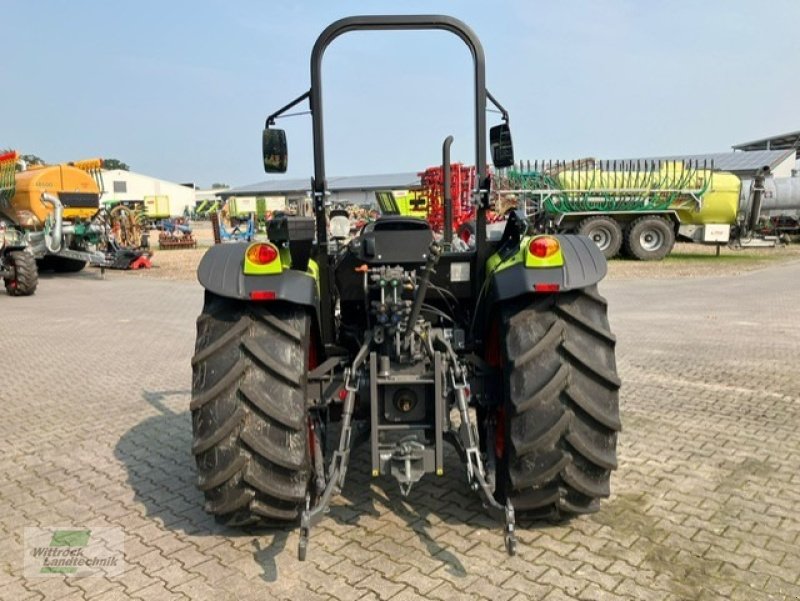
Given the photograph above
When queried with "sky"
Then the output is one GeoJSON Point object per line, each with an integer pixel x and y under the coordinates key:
{"type": "Point", "coordinates": [180, 89]}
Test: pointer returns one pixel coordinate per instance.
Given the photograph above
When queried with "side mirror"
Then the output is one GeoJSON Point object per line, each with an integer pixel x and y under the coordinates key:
{"type": "Point", "coordinates": [273, 148]}
{"type": "Point", "coordinates": [501, 146]}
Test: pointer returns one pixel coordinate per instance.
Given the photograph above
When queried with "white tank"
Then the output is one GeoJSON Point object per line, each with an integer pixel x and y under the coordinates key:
{"type": "Point", "coordinates": [780, 194]}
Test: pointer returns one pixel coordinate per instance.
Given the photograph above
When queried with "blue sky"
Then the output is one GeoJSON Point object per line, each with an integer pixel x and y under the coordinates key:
{"type": "Point", "coordinates": [180, 89]}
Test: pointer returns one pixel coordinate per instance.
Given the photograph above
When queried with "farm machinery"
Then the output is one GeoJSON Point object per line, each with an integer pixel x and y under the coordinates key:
{"type": "Point", "coordinates": [309, 344]}
{"type": "Point", "coordinates": [427, 202]}
{"type": "Point", "coordinates": [17, 265]}
{"type": "Point", "coordinates": [57, 207]}
{"type": "Point", "coordinates": [175, 233]}
{"type": "Point", "coordinates": [642, 207]}
{"type": "Point", "coordinates": [462, 183]}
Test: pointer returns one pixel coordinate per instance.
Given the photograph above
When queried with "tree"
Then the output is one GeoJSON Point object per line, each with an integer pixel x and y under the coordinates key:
{"type": "Point", "coordinates": [32, 159]}
{"type": "Point", "coordinates": [219, 186]}
{"type": "Point", "coordinates": [115, 164]}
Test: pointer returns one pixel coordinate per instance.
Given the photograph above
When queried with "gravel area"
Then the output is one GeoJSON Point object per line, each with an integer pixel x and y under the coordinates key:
{"type": "Point", "coordinates": [697, 260]}
{"type": "Point", "coordinates": [686, 261]}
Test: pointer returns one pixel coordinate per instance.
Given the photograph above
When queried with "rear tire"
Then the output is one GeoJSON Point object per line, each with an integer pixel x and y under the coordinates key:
{"type": "Point", "coordinates": [561, 404]}
{"type": "Point", "coordinates": [25, 278]}
{"type": "Point", "coordinates": [649, 238]}
{"type": "Point", "coordinates": [605, 232]}
{"type": "Point", "coordinates": [249, 418]}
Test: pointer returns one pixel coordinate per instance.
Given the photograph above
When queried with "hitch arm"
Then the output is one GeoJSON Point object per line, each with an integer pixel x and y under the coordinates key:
{"type": "Point", "coordinates": [341, 458]}
{"type": "Point", "coordinates": [468, 445]}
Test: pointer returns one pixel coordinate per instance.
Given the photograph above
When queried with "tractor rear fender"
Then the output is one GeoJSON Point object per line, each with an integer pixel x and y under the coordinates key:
{"type": "Point", "coordinates": [578, 265]}
{"type": "Point", "coordinates": [221, 272]}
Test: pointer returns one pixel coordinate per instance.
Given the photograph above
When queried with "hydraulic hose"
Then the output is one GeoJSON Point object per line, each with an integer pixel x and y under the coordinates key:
{"type": "Point", "coordinates": [434, 252]}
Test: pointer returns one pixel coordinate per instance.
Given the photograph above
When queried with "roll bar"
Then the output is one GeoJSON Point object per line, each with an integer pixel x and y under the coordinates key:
{"type": "Point", "coordinates": [390, 22]}
{"type": "Point", "coordinates": [314, 95]}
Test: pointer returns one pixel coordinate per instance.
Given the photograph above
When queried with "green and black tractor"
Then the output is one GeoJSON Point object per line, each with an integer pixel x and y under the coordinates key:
{"type": "Point", "coordinates": [310, 343]}
{"type": "Point", "coordinates": [17, 265]}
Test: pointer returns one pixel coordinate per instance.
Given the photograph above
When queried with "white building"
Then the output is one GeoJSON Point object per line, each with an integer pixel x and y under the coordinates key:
{"type": "Point", "coordinates": [129, 186]}
{"type": "Point", "coordinates": [788, 141]}
{"type": "Point", "coordinates": [356, 189]}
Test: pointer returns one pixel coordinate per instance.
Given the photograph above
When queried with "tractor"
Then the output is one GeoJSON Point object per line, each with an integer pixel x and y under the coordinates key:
{"type": "Point", "coordinates": [17, 265]}
{"type": "Point", "coordinates": [313, 342]}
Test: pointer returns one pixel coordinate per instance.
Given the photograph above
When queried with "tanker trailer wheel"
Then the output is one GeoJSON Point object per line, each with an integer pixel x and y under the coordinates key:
{"type": "Point", "coordinates": [605, 232]}
{"type": "Point", "coordinates": [558, 426]}
{"type": "Point", "coordinates": [25, 278]}
{"type": "Point", "coordinates": [649, 238]}
{"type": "Point", "coordinates": [249, 418]}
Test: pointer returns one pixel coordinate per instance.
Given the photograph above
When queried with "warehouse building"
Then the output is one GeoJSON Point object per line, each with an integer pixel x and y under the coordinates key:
{"type": "Point", "coordinates": [787, 142]}
{"type": "Point", "coordinates": [781, 163]}
{"type": "Point", "coordinates": [171, 199]}
{"type": "Point", "coordinates": [357, 189]}
{"type": "Point", "coordinates": [790, 141]}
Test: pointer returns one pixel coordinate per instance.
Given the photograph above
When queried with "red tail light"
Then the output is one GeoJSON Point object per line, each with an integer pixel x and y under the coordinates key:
{"type": "Point", "coordinates": [262, 295]}
{"type": "Point", "coordinates": [546, 287]}
{"type": "Point", "coordinates": [543, 247]}
{"type": "Point", "coordinates": [262, 254]}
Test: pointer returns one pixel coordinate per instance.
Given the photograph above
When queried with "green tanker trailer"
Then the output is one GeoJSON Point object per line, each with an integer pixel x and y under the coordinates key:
{"type": "Point", "coordinates": [641, 208]}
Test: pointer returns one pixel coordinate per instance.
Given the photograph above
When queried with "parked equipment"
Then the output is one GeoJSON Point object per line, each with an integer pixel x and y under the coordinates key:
{"type": "Point", "coordinates": [408, 202]}
{"type": "Point", "coordinates": [129, 224]}
{"type": "Point", "coordinates": [642, 207]}
{"type": "Point", "coordinates": [428, 202]}
{"type": "Point", "coordinates": [17, 265]}
{"type": "Point", "coordinates": [58, 209]}
{"type": "Point", "coordinates": [205, 208]}
{"type": "Point", "coordinates": [175, 233]}
{"type": "Point", "coordinates": [462, 184]}
{"type": "Point", "coordinates": [391, 336]}
{"type": "Point", "coordinates": [236, 233]}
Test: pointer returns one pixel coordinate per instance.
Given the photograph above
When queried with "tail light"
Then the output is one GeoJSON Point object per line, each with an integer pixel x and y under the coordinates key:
{"type": "Point", "coordinates": [543, 247]}
{"type": "Point", "coordinates": [262, 253]}
{"type": "Point", "coordinates": [263, 295]}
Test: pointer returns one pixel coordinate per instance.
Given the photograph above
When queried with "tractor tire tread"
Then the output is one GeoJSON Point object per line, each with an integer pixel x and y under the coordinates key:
{"type": "Point", "coordinates": [563, 416]}
{"type": "Point", "coordinates": [26, 274]}
{"type": "Point", "coordinates": [233, 334]}
{"type": "Point", "coordinates": [250, 438]}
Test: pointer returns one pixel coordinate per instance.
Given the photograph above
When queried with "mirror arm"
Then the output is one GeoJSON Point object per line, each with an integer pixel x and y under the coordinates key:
{"type": "Point", "coordinates": [280, 111]}
{"type": "Point", "coordinates": [499, 106]}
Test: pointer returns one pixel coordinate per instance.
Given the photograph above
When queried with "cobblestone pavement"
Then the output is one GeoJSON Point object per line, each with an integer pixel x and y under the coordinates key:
{"type": "Point", "coordinates": [94, 390]}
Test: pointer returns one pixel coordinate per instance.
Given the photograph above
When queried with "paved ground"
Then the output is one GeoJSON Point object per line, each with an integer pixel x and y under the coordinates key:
{"type": "Point", "coordinates": [94, 388]}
